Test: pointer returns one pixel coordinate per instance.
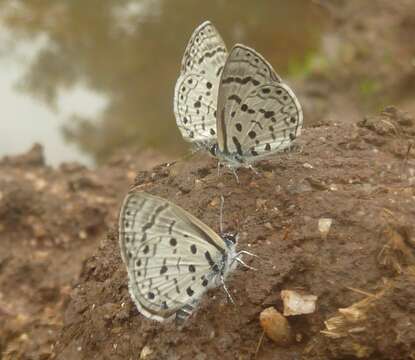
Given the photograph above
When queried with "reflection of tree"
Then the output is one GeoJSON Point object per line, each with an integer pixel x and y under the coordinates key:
{"type": "Point", "coordinates": [135, 60]}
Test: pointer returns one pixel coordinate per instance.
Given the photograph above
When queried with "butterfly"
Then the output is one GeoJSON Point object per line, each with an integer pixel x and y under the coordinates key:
{"type": "Point", "coordinates": [172, 258]}
{"type": "Point", "coordinates": [255, 114]}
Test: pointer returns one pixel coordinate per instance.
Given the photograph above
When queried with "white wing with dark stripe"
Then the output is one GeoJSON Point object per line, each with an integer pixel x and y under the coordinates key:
{"type": "Point", "coordinates": [172, 258]}
{"type": "Point", "coordinates": [196, 90]}
{"type": "Point", "coordinates": [258, 115]}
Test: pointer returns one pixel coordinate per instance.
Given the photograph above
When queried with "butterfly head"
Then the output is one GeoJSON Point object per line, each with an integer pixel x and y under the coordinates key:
{"type": "Point", "coordinates": [213, 149]}
{"type": "Point", "coordinates": [230, 239]}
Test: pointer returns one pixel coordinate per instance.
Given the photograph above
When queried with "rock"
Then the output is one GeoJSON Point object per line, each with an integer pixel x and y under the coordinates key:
{"type": "Point", "coordinates": [276, 326]}
{"type": "Point", "coordinates": [324, 225]}
{"type": "Point", "coordinates": [296, 303]}
{"type": "Point", "coordinates": [34, 157]}
{"type": "Point", "coordinates": [145, 352]}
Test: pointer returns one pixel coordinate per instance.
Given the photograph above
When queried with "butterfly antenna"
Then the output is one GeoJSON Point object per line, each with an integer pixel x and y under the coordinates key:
{"type": "Point", "coordinates": [222, 203]}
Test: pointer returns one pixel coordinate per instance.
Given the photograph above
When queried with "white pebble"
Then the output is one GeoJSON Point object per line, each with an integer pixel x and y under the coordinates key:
{"type": "Point", "coordinates": [324, 225]}
{"type": "Point", "coordinates": [297, 304]}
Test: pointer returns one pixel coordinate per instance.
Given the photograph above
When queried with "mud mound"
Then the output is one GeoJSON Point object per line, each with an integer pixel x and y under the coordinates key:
{"type": "Point", "coordinates": [339, 176]}
{"type": "Point", "coordinates": [50, 221]}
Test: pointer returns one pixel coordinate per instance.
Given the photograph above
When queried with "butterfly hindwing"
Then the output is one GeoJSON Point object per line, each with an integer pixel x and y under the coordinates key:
{"type": "Point", "coordinates": [196, 90]}
{"type": "Point", "coordinates": [195, 108]}
{"type": "Point", "coordinates": [169, 255]}
{"type": "Point", "coordinates": [268, 121]}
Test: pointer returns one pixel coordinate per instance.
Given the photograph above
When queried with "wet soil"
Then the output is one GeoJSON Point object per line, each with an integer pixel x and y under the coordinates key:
{"type": "Point", "coordinates": [51, 220]}
{"type": "Point", "coordinates": [367, 190]}
{"type": "Point", "coordinates": [63, 286]}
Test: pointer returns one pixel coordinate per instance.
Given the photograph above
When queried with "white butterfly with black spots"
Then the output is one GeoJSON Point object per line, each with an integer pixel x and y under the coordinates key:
{"type": "Point", "coordinates": [254, 116]}
{"type": "Point", "coordinates": [196, 91]}
{"type": "Point", "coordinates": [172, 258]}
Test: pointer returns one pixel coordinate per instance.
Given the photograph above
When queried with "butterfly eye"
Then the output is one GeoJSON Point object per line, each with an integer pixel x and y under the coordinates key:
{"type": "Point", "coordinates": [230, 238]}
{"type": "Point", "coordinates": [213, 149]}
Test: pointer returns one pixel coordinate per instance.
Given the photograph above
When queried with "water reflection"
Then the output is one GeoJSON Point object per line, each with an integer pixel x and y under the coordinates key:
{"type": "Point", "coordinates": [129, 52]}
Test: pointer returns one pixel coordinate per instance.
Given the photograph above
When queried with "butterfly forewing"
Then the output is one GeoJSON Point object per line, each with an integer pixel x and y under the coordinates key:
{"type": "Point", "coordinates": [205, 52]}
{"type": "Point", "coordinates": [169, 255]}
{"type": "Point", "coordinates": [196, 91]}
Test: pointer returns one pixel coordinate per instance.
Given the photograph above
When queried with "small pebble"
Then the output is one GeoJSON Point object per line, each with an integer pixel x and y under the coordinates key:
{"type": "Point", "coordinates": [324, 225]}
{"type": "Point", "coordinates": [296, 303]}
{"type": "Point", "coordinates": [275, 326]}
{"type": "Point", "coordinates": [145, 352]}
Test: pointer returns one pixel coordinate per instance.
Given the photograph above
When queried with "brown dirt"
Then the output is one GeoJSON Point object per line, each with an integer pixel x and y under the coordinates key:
{"type": "Point", "coordinates": [63, 286]}
{"type": "Point", "coordinates": [340, 175]}
{"type": "Point", "coordinates": [50, 221]}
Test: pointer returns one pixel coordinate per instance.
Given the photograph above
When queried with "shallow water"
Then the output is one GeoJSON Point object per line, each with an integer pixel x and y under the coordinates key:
{"type": "Point", "coordinates": [85, 78]}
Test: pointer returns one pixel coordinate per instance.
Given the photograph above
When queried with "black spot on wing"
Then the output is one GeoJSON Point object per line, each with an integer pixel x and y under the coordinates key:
{"type": "Point", "coordinates": [209, 258]}
{"type": "Point", "coordinates": [241, 81]}
{"type": "Point", "coordinates": [189, 291]}
{"type": "Point", "coordinates": [171, 226]}
{"type": "Point", "coordinates": [211, 53]}
{"type": "Point", "coordinates": [235, 98]}
{"type": "Point", "coordinates": [237, 145]}
{"type": "Point", "coordinates": [154, 217]}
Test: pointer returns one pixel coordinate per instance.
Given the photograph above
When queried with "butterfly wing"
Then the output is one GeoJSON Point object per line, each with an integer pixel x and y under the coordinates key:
{"type": "Point", "coordinates": [258, 115]}
{"type": "Point", "coordinates": [196, 90]}
{"type": "Point", "coordinates": [169, 255]}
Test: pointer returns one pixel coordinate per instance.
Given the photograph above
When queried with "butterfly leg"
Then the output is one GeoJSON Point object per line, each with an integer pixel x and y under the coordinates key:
{"type": "Point", "coordinates": [244, 264]}
{"type": "Point", "coordinates": [246, 252]}
{"type": "Point", "coordinates": [236, 175]}
{"type": "Point", "coordinates": [222, 202]}
{"type": "Point", "coordinates": [238, 254]}
{"type": "Point", "coordinates": [184, 313]}
{"type": "Point", "coordinates": [226, 290]}
{"type": "Point", "coordinates": [254, 170]}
